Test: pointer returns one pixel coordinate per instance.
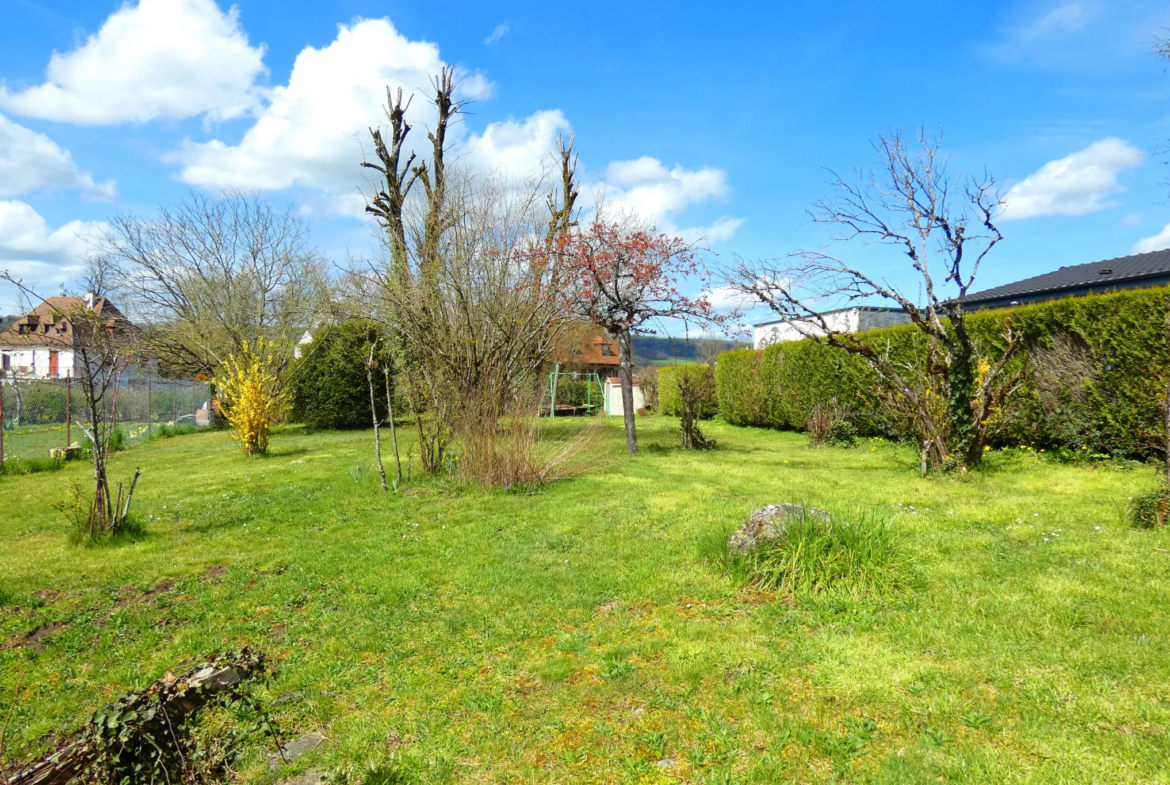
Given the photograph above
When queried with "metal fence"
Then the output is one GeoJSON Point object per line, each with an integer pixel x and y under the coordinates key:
{"type": "Point", "coordinates": [37, 415]}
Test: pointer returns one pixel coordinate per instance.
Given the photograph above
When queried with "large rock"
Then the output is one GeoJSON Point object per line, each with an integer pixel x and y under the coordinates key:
{"type": "Point", "coordinates": [768, 523]}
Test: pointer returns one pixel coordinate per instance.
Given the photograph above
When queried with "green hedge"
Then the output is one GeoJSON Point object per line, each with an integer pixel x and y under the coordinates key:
{"type": "Point", "coordinates": [329, 388]}
{"type": "Point", "coordinates": [669, 398]}
{"type": "Point", "coordinates": [1123, 335]}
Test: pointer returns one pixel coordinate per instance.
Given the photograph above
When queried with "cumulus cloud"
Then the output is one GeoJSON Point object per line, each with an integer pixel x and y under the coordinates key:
{"type": "Point", "coordinates": [1159, 242]}
{"type": "Point", "coordinates": [31, 162]}
{"type": "Point", "coordinates": [312, 131]}
{"type": "Point", "coordinates": [646, 187]}
{"type": "Point", "coordinates": [1077, 184]}
{"type": "Point", "coordinates": [42, 257]}
{"type": "Point", "coordinates": [518, 146]}
{"type": "Point", "coordinates": [497, 34]}
{"type": "Point", "coordinates": [154, 59]}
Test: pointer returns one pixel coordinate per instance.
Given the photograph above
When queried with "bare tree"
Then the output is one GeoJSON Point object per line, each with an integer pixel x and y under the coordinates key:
{"type": "Point", "coordinates": [944, 228]}
{"type": "Point", "coordinates": [469, 304]}
{"type": "Point", "coordinates": [213, 274]}
{"type": "Point", "coordinates": [104, 345]}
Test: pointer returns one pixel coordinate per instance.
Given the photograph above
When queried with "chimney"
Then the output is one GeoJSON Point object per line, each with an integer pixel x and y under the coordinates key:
{"type": "Point", "coordinates": [89, 300]}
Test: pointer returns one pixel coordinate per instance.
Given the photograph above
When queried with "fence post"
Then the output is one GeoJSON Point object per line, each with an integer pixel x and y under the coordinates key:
{"type": "Point", "coordinates": [149, 403]}
{"type": "Point", "coordinates": [68, 409]}
{"type": "Point", "coordinates": [175, 402]}
{"type": "Point", "coordinates": [2, 375]}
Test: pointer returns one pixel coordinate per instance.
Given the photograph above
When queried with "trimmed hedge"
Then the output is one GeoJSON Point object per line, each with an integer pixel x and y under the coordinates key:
{"type": "Point", "coordinates": [329, 387]}
{"type": "Point", "coordinates": [669, 398]}
{"type": "Point", "coordinates": [1120, 411]}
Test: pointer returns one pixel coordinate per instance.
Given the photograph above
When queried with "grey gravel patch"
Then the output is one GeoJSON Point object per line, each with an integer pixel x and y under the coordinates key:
{"type": "Point", "coordinates": [638, 712]}
{"type": "Point", "coordinates": [295, 749]}
{"type": "Point", "coordinates": [666, 763]}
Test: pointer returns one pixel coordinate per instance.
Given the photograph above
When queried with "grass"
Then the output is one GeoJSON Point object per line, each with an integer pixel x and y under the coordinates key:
{"type": "Point", "coordinates": [590, 632]}
{"type": "Point", "coordinates": [854, 555]}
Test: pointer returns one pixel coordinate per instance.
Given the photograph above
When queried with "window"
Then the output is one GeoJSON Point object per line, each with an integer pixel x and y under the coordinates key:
{"type": "Point", "coordinates": [606, 350]}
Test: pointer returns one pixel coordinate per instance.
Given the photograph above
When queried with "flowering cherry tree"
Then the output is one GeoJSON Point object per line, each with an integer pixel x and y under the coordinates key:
{"type": "Point", "coordinates": [625, 281]}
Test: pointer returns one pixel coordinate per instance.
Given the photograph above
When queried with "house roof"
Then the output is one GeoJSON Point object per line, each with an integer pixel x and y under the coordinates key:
{"type": "Point", "coordinates": [582, 345]}
{"type": "Point", "coordinates": [870, 308]}
{"type": "Point", "coordinates": [1111, 273]}
{"type": "Point", "coordinates": [49, 326]}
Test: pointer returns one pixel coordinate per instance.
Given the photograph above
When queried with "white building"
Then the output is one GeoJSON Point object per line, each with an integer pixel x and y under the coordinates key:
{"type": "Point", "coordinates": [858, 319]}
{"type": "Point", "coordinates": [40, 344]}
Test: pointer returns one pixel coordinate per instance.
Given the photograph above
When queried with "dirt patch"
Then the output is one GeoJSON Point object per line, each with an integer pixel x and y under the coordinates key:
{"type": "Point", "coordinates": [32, 639]}
{"type": "Point", "coordinates": [215, 571]}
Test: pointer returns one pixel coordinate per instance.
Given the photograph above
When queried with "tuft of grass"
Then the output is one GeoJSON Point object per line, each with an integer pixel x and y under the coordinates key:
{"type": "Point", "coordinates": [17, 466]}
{"type": "Point", "coordinates": [167, 431]}
{"type": "Point", "coordinates": [852, 557]}
{"type": "Point", "coordinates": [1151, 509]}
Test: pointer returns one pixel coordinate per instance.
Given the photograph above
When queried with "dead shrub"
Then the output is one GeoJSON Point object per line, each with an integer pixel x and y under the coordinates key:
{"type": "Point", "coordinates": [502, 444]}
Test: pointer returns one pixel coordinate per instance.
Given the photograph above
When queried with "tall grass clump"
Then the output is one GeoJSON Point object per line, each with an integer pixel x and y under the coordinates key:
{"type": "Point", "coordinates": [505, 447]}
{"type": "Point", "coordinates": [854, 557]}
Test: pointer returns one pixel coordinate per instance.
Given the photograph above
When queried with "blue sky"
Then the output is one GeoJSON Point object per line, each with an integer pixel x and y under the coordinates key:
{"type": "Point", "coordinates": [713, 120]}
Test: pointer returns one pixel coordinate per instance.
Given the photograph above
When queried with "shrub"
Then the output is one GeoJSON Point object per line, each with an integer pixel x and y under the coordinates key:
{"type": "Point", "coordinates": [254, 399]}
{"type": "Point", "coordinates": [670, 381]}
{"type": "Point", "coordinates": [1092, 376]}
{"type": "Point", "coordinates": [842, 557]}
{"type": "Point", "coordinates": [502, 445]}
{"type": "Point", "coordinates": [1151, 509]}
{"type": "Point", "coordinates": [841, 434]}
{"type": "Point", "coordinates": [328, 386]}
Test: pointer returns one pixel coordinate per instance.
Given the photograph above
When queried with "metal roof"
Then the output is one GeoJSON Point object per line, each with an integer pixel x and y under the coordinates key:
{"type": "Point", "coordinates": [1096, 275]}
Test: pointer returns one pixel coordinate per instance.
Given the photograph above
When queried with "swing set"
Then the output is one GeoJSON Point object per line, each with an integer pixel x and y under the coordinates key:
{"type": "Point", "coordinates": [592, 399]}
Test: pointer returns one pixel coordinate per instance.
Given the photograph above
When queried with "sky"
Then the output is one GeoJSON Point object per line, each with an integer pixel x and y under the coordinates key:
{"type": "Point", "coordinates": [715, 122]}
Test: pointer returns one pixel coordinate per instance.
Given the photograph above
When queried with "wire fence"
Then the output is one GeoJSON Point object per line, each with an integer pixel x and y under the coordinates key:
{"type": "Point", "coordinates": [38, 415]}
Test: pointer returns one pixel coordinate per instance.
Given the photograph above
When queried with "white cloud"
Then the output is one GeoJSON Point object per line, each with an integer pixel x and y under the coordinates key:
{"type": "Point", "coordinates": [518, 147]}
{"type": "Point", "coordinates": [645, 187]}
{"type": "Point", "coordinates": [1058, 33]}
{"type": "Point", "coordinates": [1074, 185]}
{"type": "Point", "coordinates": [41, 257]}
{"type": "Point", "coordinates": [1063, 19]}
{"type": "Point", "coordinates": [30, 161]}
{"type": "Point", "coordinates": [313, 131]}
{"type": "Point", "coordinates": [1133, 219]}
{"type": "Point", "coordinates": [1159, 242]}
{"type": "Point", "coordinates": [154, 59]}
{"type": "Point", "coordinates": [497, 34]}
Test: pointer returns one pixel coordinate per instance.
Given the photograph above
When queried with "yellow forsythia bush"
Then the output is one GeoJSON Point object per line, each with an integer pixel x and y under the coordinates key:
{"type": "Point", "coordinates": [254, 398]}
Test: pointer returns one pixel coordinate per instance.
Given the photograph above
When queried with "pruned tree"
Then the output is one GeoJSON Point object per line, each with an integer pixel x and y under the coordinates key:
{"type": "Point", "coordinates": [626, 281]}
{"type": "Point", "coordinates": [212, 274]}
{"type": "Point", "coordinates": [104, 345]}
{"type": "Point", "coordinates": [468, 302]}
{"type": "Point", "coordinates": [944, 228]}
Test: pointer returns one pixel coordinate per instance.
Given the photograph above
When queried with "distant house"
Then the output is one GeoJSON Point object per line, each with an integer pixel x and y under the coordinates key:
{"type": "Point", "coordinates": [585, 348]}
{"type": "Point", "coordinates": [40, 345]}
{"type": "Point", "coordinates": [1126, 272]}
{"type": "Point", "coordinates": [857, 319]}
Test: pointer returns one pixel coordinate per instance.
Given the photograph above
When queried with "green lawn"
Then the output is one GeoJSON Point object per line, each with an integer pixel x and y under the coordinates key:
{"type": "Point", "coordinates": [589, 632]}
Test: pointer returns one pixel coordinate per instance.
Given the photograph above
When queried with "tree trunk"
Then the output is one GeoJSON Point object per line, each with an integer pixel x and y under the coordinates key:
{"type": "Point", "coordinates": [393, 429]}
{"type": "Point", "coordinates": [626, 376]}
{"type": "Point", "coordinates": [377, 431]}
